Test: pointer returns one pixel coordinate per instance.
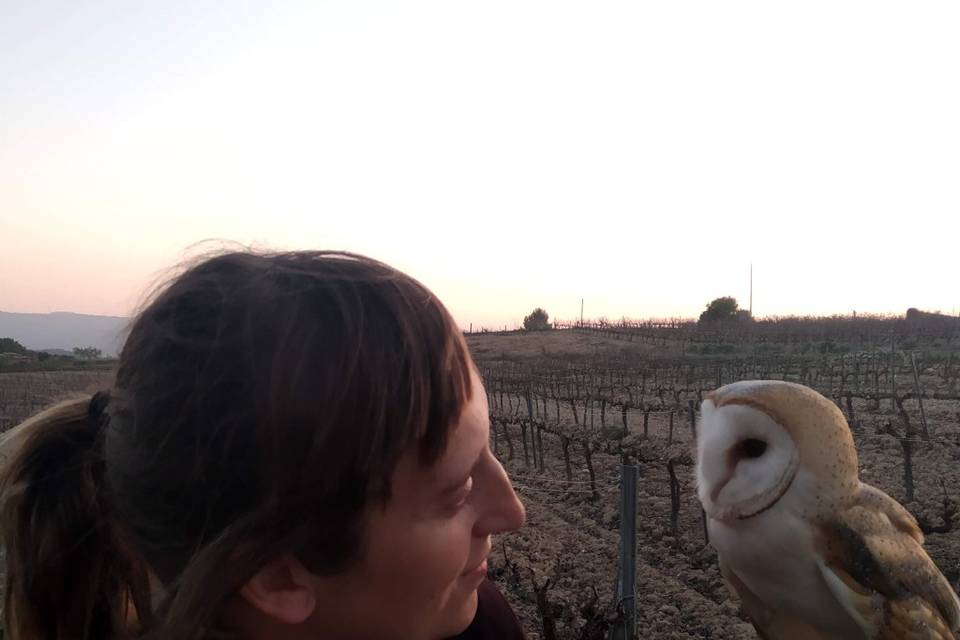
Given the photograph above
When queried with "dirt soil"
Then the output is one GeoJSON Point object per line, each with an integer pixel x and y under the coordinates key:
{"type": "Point", "coordinates": [573, 540]}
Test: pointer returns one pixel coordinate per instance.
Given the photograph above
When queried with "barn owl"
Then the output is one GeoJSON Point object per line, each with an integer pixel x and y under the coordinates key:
{"type": "Point", "coordinates": [812, 552]}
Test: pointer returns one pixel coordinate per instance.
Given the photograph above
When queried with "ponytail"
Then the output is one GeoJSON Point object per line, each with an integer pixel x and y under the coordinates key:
{"type": "Point", "coordinates": [68, 573]}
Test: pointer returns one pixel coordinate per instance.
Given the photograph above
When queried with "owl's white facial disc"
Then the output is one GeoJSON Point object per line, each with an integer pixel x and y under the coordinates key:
{"type": "Point", "coordinates": [745, 461]}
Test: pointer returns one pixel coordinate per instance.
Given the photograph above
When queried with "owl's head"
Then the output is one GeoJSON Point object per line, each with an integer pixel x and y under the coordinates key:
{"type": "Point", "coordinates": [762, 440]}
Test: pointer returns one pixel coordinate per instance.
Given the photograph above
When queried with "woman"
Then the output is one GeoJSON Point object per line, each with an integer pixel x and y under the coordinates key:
{"type": "Point", "coordinates": [295, 446]}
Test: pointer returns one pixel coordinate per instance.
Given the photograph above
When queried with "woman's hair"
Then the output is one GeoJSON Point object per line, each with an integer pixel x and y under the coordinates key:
{"type": "Point", "coordinates": [260, 405]}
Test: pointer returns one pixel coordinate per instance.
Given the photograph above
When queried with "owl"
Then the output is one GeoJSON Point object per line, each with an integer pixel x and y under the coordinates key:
{"type": "Point", "coordinates": [812, 552]}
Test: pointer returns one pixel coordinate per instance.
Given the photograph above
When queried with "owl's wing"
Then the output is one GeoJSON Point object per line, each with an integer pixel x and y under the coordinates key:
{"type": "Point", "coordinates": [872, 559]}
{"type": "Point", "coordinates": [770, 624]}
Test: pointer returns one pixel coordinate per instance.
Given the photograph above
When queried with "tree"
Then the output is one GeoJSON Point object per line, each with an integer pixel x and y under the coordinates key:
{"type": "Point", "coordinates": [720, 309]}
{"type": "Point", "coordinates": [87, 353]}
{"type": "Point", "coordinates": [9, 345]}
{"type": "Point", "coordinates": [538, 320]}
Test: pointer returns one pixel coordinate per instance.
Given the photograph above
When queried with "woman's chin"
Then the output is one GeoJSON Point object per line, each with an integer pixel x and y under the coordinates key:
{"type": "Point", "coordinates": [464, 614]}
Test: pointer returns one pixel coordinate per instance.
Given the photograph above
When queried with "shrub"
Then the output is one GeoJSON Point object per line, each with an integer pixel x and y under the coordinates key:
{"type": "Point", "coordinates": [538, 320]}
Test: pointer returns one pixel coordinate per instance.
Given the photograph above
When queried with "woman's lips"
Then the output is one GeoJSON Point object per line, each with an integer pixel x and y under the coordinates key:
{"type": "Point", "coordinates": [479, 571]}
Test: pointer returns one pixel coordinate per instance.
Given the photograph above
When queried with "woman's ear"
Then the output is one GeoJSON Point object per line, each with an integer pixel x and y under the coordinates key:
{"type": "Point", "coordinates": [282, 589]}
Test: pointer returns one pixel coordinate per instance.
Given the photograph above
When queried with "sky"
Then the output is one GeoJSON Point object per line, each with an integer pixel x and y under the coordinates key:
{"type": "Point", "coordinates": [637, 155]}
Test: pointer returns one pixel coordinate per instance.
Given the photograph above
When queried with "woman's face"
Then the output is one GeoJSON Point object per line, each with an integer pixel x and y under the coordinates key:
{"type": "Point", "coordinates": [425, 552]}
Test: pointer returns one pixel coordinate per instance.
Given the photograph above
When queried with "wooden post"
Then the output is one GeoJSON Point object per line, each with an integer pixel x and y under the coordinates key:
{"type": "Point", "coordinates": [533, 436]}
{"type": "Point", "coordinates": [706, 530]}
{"type": "Point", "coordinates": [587, 454]}
{"type": "Point", "coordinates": [523, 436]}
{"type": "Point", "coordinates": [876, 380]}
{"type": "Point", "coordinates": [916, 388]}
{"type": "Point", "coordinates": [949, 375]}
{"type": "Point", "coordinates": [506, 434]}
{"type": "Point", "coordinates": [693, 432]}
{"type": "Point", "coordinates": [851, 414]}
{"type": "Point", "coordinates": [893, 375]}
{"type": "Point", "coordinates": [906, 444]}
{"type": "Point", "coordinates": [565, 445]}
{"type": "Point", "coordinates": [674, 501]}
{"type": "Point", "coordinates": [540, 446]}
{"type": "Point", "coordinates": [624, 628]}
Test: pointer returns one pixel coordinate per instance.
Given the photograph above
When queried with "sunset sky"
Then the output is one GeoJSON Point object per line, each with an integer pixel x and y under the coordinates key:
{"type": "Point", "coordinates": [510, 154]}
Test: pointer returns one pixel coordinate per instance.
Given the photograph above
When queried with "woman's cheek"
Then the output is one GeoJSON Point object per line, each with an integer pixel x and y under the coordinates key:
{"type": "Point", "coordinates": [447, 546]}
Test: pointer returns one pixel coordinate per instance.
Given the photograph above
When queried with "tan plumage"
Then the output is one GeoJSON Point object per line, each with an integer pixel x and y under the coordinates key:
{"type": "Point", "coordinates": [812, 552]}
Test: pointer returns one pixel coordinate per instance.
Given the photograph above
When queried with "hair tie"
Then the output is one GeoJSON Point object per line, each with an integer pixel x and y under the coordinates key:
{"type": "Point", "coordinates": [98, 407]}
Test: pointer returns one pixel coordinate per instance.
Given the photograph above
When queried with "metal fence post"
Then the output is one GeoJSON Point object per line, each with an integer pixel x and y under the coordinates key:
{"type": "Point", "coordinates": [626, 596]}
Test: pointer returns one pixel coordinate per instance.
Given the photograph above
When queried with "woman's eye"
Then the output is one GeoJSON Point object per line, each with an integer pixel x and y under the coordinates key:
{"type": "Point", "coordinates": [464, 493]}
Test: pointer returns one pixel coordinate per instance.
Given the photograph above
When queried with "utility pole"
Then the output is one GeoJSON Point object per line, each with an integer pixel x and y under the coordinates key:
{"type": "Point", "coordinates": [581, 312]}
{"type": "Point", "coordinates": [751, 290]}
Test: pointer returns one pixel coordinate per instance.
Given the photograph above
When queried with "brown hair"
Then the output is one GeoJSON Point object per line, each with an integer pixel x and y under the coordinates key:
{"type": "Point", "coordinates": [261, 403]}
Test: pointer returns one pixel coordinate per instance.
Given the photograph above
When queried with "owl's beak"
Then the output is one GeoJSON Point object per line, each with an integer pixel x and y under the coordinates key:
{"type": "Point", "coordinates": [718, 487]}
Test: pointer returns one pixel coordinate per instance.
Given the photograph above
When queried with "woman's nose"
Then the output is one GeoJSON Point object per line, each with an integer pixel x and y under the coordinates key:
{"type": "Point", "coordinates": [503, 510]}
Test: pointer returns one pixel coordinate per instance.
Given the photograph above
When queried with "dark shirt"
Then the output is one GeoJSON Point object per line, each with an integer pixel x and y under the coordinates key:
{"type": "Point", "coordinates": [494, 619]}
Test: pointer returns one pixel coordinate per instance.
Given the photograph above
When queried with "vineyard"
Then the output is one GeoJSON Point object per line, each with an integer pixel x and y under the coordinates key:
{"type": "Point", "coordinates": [574, 406]}
{"type": "Point", "coordinates": [569, 407]}
{"type": "Point", "coordinates": [25, 393]}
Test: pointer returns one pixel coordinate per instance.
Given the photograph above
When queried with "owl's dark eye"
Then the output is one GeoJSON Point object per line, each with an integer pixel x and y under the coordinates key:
{"type": "Point", "coordinates": [752, 448]}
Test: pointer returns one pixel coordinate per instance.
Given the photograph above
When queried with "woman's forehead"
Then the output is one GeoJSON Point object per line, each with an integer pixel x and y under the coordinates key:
{"type": "Point", "coordinates": [468, 436]}
{"type": "Point", "coordinates": [466, 441]}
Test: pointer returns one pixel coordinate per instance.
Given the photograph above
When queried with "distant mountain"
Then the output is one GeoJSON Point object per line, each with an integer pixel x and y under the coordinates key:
{"type": "Point", "coordinates": [63, 330]}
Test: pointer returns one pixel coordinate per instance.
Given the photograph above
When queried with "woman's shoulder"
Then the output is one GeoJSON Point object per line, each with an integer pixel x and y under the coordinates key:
{"type": "Point", "coordinates": [494, 619]}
